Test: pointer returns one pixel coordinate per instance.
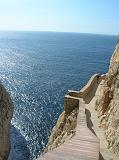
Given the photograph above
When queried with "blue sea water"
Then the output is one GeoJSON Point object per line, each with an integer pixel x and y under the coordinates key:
{"type": "Point", "coordinates": [38, 68]}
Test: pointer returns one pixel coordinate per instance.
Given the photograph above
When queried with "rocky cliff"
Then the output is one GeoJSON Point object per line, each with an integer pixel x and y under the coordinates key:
{"type": "Point", "coordinates": [64, 129]}
{"type": "Point", "coordinates": [6, 111]}
{"type": "Point", "coordinates": [107, 103]}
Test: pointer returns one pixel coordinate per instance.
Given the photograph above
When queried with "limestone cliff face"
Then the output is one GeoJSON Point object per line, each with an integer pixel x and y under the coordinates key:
{"type": "Point", "coordinates": [64, 129]}
{"type": "Point", "coordinates": [6, 111]}
{"type": "Point", "coordinates": [107, 103]}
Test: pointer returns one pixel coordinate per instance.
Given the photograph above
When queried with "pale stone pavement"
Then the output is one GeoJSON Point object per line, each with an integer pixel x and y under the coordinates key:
{"type": "Point", "coordinates": [93, 124]}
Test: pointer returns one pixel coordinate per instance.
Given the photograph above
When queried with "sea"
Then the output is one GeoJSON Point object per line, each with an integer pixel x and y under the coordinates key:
{"type": "Point", "coordinates": [37, 69]}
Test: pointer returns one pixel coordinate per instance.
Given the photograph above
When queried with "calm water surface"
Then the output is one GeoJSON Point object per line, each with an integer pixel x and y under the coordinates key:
{"type": "Point", "coordinates": [38, 68]}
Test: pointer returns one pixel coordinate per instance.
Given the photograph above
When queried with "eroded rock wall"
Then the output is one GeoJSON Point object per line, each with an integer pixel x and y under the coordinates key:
{"type": "Point", "coordinates": [107, 103]}
{"type": "Point", "coordinates": [6, 111]}
{"type": "Point", "coordinates": [63, 130]}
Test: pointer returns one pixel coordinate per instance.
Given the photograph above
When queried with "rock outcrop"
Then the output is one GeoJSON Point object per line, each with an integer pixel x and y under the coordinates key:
{"type": "Point", "coordinates": [6, 112]}
{"type": "Point", "coordinates": [107, 103]}
{"type": "Point", "coordinates": [64, 129]}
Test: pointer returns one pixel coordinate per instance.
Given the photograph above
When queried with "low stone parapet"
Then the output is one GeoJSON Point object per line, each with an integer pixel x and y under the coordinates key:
{"type": "Point", "coordinates": [88, 87]}
{"type": "Point", "coordinates": [70, 103]}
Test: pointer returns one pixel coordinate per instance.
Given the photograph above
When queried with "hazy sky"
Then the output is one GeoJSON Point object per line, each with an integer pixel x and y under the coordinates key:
{"type": "Point", "coordinates": [88, 16]}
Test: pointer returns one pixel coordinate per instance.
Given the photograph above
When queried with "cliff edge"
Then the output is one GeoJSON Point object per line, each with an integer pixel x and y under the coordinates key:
{"type": "Point", "coordinates": [63, 130]}
{"type": "Point", "coordinates": [107, 103]}
{"type": "Point", "coordinates": [6, 112]}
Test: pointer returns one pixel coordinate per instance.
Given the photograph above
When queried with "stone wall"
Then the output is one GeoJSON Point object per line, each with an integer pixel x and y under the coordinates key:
{"type": "Point", "coordinates": [88, 87]}
{"type": "Point", "coordinates": [70, 103]}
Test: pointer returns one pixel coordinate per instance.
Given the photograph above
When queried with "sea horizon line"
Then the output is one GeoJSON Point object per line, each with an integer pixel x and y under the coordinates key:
{"type": "Point", "coordinates": [59, 32]}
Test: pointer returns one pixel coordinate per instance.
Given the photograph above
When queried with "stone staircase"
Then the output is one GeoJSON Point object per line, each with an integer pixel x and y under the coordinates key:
{"type": "Point", "coordinates": [84, 145]}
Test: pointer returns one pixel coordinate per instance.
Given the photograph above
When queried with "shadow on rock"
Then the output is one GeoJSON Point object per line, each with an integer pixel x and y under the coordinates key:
{"type": "Point", "coordinates": [89, 121]}
{"type": "Point", "coordinates": [101, 157]}
{"type": "Point", "coordinates": [19, 149]}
